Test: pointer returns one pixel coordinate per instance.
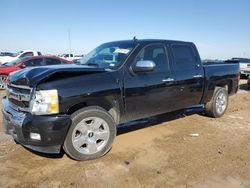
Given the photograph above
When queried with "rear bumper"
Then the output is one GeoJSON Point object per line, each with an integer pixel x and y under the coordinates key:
{"type": "Point", "coordinates": [52, 129]}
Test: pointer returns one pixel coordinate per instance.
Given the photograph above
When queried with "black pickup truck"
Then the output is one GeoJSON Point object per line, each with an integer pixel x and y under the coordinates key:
{"type": "Point", "coordinates": [78, 107]}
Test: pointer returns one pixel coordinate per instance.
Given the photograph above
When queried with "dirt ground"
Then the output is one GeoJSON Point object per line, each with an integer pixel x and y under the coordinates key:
{"type": "Point", "coordinates": [187, 150]}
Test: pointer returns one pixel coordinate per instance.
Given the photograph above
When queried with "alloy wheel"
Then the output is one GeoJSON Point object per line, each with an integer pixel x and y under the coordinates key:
{"type": "Point", "coordinates": [90, 135]}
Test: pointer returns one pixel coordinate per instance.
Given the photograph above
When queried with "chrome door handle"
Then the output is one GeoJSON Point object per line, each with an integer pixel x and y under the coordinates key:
{"type": "Point", "coordinates": [198, 76]}
{"type": "Point", "coordinates": [168, 80]}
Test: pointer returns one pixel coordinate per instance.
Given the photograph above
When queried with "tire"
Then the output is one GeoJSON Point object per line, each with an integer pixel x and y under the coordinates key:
{"type": "Point", "coordinates": [3, 79]}
{"type": "Point", "coordinates": [218, 104]}
{"type": "Point", "coordinates": [91, 134]}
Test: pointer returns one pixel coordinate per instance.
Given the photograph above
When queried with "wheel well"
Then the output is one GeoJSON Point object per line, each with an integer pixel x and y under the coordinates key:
{"type": "Point", "coordinates": [76, 107]}
{"type": "Point", "coordinates": [109, 107]}
{"type": "Point", "coordinates": [226, 84]}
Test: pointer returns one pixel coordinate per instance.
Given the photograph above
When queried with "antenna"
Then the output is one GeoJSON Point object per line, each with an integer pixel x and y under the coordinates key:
{"type": "Point", "coordinates": [135, 39]}
{"type": "Point", "coordinates": [69, 42]}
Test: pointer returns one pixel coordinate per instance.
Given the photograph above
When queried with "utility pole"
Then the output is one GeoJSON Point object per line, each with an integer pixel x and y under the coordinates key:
{"type": "Point", "coordinates": [69, 42]}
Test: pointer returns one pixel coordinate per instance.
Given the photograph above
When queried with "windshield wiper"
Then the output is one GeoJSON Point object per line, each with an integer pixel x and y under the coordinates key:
{"type": "Point", "coordinates": [91, 64]}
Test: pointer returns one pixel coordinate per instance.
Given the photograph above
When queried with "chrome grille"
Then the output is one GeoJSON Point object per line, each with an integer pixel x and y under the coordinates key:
{"type": "Point", "coordinates": [18, 95]}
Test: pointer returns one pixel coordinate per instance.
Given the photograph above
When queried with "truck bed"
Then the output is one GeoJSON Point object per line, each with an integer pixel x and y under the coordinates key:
{"type": "Point", "coordinates": [225, 72]}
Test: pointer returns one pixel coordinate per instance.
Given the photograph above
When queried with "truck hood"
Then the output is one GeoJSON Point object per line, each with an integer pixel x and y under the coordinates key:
{"type": "Point", "coordinates": [32, 76]}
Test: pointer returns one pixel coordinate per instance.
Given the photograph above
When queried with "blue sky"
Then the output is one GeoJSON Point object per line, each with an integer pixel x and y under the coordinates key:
{"type": "Point", "coordinates": [219, 28]}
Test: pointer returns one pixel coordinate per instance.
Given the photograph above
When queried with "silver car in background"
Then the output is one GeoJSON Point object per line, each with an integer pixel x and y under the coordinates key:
{"type": "Point", "coordinates": [244, 66]}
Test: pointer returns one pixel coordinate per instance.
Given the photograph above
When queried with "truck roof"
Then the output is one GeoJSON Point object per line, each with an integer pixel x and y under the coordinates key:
{"type": "Point", "coordinates": [29, 51]}
{"type": "Point", "coordinates": [147, 41]}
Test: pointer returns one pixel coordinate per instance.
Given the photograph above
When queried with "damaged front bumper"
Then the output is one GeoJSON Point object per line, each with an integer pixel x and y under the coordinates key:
{"type": "Point", "coordinates": [51, 128]}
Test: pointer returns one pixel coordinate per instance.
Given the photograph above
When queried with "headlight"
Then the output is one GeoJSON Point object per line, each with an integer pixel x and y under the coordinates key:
{"type": "Point", "coordinates": [44, 102]}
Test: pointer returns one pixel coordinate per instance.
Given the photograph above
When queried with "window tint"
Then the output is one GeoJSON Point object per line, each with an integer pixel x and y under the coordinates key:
{"type": "Point", "coordinates": [184, 57]}
{"type": "Point", "coordinates": [33, 62]}
{"type": "Point", "coordinates": [68, 55]}
{"type": "Point", "coordinates": [155, 53]}
{"type": "Point", "coordinates": [65, 62]}
{"type": "Point", "coordinates": [27, 54]}
{"type": "Point", "coordinates": [50, 61]}
{"type": "Point", "coordinates": [39, 53]}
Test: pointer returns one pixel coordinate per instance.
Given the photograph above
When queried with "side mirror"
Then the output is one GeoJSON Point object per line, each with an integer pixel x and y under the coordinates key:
{"type": "Point", "coordinates": [144, 66]}
{"type": "Point", "coordinates": [22, 66]}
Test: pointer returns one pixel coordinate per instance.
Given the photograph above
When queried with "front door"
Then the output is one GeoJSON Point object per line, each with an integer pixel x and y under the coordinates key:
{"type": "Point", "coordinates": [149, 93]}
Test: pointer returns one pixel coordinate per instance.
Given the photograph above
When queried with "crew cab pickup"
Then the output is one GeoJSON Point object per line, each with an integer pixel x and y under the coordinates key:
{"type": "Point", "coordinates": [78, 108]}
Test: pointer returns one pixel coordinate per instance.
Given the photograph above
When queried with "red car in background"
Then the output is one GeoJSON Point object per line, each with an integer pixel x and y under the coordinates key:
{"type": "Point", "coordinates": [24, 62]}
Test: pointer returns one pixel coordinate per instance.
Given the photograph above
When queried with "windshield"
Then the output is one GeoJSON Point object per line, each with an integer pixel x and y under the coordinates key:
{"type": "Point", "coordinates": [14, 62]}
{"type": "Point", "coordinates": [109, 55]}
{"type": "Point", "coordinates": [17, 53]}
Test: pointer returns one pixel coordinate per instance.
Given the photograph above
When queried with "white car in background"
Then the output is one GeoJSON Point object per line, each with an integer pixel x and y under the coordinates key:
{"type": "Point", "coordinates": [71, 57]}
{"type": "Point", "coordinates": [244, 66]}
{"type": "Point", "coordinates": [15, 56]}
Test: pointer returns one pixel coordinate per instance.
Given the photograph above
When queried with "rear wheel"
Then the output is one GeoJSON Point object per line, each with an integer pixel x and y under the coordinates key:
{"type": "Point", "coordinates": [218, 104]}
{"type": "Point", "coordinates": [91, 134]}
{"type": "Point", "coordinates": [3, 79]}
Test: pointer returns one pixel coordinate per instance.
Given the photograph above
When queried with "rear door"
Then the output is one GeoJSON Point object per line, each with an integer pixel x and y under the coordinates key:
{"type": "Point", "coordinates": [188, 74]}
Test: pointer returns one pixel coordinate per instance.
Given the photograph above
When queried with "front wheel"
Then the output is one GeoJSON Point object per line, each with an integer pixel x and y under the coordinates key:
{"type": "Point", "coordinates": [218, 104]}
{"type": "Point", "coordinates": [91, 134]}
{"type": "Point", "coordinates": [3, 79]}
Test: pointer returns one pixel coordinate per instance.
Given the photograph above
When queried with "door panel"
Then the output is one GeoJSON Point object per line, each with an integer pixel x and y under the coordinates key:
{"type": "Point", "coordinates": [149, 93]}
{"type": "Point", "coordinates": [188, 75]}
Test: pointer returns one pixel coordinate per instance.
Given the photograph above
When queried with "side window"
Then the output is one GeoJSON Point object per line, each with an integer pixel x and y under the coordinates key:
{"type": "Point", "coordinates": [68, 55]}
{"type": "Point", "coordinates": [39, 53]}
{"type": "Point", "coordinates": [184, 57]}
{"type": "Point", "coordinates": [27, 54]}
{"type": "Point", "coordinates": [33, 62]}
{"type": "Point", "coordinates": [50, 61]}
{"type": "Point", "coordinates": [64, 62]}
{"type": "Point", "coordinates": [155, 53]}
